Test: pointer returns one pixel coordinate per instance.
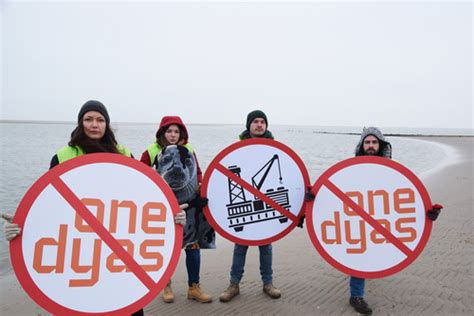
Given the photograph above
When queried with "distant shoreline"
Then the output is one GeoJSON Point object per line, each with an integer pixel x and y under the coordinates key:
{"type": "Point", "coordinates": [209, 124]}
{"type": "Point", "coordinates": [114, 123]}
{"type": "Point", "coordinates": [393, 135]}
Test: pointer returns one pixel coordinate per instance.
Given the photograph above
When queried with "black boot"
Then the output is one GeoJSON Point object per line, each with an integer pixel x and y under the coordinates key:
{"type": "Point", "coordinates": [360, 305]}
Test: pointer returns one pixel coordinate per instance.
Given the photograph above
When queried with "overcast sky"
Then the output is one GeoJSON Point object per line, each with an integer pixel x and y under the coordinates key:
{"type": "Point", "coordinates": [404, 64]}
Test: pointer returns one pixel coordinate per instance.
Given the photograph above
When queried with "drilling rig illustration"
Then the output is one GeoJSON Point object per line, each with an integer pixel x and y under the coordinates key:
{"type": "Point", "coordinates": [242, 211]}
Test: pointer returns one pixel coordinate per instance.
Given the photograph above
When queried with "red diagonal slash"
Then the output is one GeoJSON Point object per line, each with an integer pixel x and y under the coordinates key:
{"type": "Point", "coordinates": [360, 211]}
{"type": "Point", "coordinates": [103, 233]}
{"type": "Point", "coordinates": [256, 192]}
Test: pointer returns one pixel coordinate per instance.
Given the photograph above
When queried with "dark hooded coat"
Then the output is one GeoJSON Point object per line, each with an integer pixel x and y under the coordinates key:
{"type": "Point", "coordinates": [385, 149]}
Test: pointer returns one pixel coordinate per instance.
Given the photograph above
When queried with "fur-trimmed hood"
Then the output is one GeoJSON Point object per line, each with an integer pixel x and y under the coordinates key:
{"type": "Point", "coordinates": [385, 146]}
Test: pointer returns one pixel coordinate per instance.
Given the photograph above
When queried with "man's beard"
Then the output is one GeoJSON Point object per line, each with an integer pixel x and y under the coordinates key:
{"type": "Point", "coordinates": [371, 152]}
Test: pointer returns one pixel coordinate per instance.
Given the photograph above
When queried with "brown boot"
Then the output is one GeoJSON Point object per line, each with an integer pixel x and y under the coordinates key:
{"type": "Point", "coordinates": [232, 291]}
{"type": "Point", "coordinates": [195, 293]}
{"type": "Point", "coordinates": [168, 295]}
{"type": "Point", "coordinates": [271, 291]}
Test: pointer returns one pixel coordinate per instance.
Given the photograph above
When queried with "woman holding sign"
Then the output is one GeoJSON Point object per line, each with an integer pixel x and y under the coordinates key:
{"type": "Point", "coordinates": [171, 132]}
{"type": "Point", "coordinates": [91, 135]}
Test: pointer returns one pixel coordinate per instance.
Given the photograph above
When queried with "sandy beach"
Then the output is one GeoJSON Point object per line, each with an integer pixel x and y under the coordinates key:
{"type": "Point", "coordinates": [440, 281]}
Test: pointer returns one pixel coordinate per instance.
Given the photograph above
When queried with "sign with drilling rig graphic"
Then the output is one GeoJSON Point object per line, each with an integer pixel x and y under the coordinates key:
{"type": "Point", "coordinates": [256, 191]}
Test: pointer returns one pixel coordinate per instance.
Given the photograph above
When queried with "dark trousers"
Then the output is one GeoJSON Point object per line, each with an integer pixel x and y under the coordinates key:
{"type": "Point", "coordinates": [193, 265]}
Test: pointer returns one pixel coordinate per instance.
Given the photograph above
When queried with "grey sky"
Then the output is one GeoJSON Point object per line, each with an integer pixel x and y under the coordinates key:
{"type": "Point", "coordinates": [406, 64]}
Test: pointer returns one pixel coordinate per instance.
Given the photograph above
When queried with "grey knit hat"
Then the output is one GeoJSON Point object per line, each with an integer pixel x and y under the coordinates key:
{"type": "Point", "coordinates": [253, 115]}
{"type": "Point", "coordinates": [93, 105]}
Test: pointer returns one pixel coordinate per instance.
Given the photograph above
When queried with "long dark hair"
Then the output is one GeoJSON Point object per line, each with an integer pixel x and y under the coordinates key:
{"type": "Point", "coordinates": [161, 138]}
{"type": "Point", "coordinates": [106, 144]}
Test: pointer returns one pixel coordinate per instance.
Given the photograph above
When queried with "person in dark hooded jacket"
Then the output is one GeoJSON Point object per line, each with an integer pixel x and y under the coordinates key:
{"type": "Point", "coordinates": [373, 143]}
{"type": "Point", "coordinates": [368, 145]}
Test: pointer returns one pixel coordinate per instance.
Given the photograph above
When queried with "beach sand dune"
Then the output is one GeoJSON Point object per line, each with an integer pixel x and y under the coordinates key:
{"type": "Point", "coordinates": [440, 281]}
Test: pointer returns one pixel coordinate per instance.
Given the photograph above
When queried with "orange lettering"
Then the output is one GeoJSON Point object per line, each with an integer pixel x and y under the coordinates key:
{"type": "Point", "coordinates": [132, 218]}
{"type": "Point", "coordinates": [61, 246]}
{"type": "Point", "coordinates": [361, 240]}
{"type": "Point", "coordinates": [360, 202]}
{"type": "Point", "coordinates": [398, 200]}
{"type": "Point", "coordinates": [337, 230]}
{"type": "Point", "coordinates": [112, 257]}
{"type": "Point", "coordinates": [410, 230]}
{"type": "Point", "coordinates": [152, 255]}
{"type": "Point", "coordinates": [147, 217]}
{"type": "Point", "coordinates": [79, 224]}
{"type": "Point", "coordinates": [384, 194]}
{"type": "Point", "coordinates": [373, 235]}
{"type": "Point", "coordinates": [95, 267]}
{"type": "Point", "coordinates": [153, 215]}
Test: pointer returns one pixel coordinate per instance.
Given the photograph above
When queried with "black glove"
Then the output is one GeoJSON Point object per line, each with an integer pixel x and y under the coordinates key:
{"type": "Point", "coordinates": [309, 196]}
{"type": "Point", "coordinates": [301, 222]}
{"type": "Point", "coordinates": [434, 212]}
{"type": "Point", "coordinates": [198, 202]}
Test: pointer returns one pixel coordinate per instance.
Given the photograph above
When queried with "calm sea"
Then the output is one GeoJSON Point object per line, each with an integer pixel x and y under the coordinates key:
{"type": "Point", "coordinates": [27, 148]}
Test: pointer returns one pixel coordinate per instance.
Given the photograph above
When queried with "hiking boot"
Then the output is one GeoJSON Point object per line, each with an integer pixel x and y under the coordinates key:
{"type": "Point", "coordinates": [232, 291]}
{"type": "Point", "coordinates": [195, 293]}
{"type": "Point", "coordinates": [360, 305]}
{"type": "Point", "coordinates": [271, 291]}
{"type": "Point", "coordinates": [168, 295]}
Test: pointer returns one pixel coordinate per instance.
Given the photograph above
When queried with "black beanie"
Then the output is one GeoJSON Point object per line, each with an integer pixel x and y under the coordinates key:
{"type": "Point", "coordinates": [93, 105]}
{"type": "Point", "coordinates": [253, 115]}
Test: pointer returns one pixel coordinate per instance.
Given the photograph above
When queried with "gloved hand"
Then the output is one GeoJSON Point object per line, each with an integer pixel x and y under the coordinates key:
{"type": "Point", "coordinates": [198, 202]}
{"type": "Point", "coordinates": [301, 222]}
{"type": "Point", "coordinates": [434, 212]}
{"type": "Point", "coordinates": [11, 230]}
{"type": "Point", "coordinates": [180, 217]}
{"type": "Point", "coordinates": [309, 196]}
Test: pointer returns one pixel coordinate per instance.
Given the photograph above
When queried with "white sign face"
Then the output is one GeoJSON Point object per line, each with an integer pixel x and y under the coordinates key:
{"type": "Point", "coordinates": [98, 236]}
{"type": "Point", "coordinates": [368, 218]}
{"type": "Point", "coordinates": [256, 191]}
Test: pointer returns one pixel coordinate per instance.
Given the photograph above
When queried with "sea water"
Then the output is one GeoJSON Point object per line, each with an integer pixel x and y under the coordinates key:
{"type": "Point", "coordinates": [27, 148]}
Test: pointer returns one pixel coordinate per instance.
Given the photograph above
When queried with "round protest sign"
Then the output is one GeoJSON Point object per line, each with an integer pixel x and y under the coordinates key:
{"type": "Point", "coordinates": [256, 191]}
{"type": "Point", "coordinates": [98, 236]}
{"type": "Point", "coordinates": [368, 218]}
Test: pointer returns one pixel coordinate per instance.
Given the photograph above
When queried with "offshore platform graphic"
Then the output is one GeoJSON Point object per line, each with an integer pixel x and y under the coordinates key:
{"type": "Point", "coordinates": [242, 211]}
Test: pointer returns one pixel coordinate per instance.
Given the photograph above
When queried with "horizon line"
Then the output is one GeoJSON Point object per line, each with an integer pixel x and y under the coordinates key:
{"type": "Point", "coordinates": [240, 124]}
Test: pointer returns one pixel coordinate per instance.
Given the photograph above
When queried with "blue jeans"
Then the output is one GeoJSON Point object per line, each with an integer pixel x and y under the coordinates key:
{"type": "Point", "coordinates": [238, 263]}
{"type": "Point", "coordinates": [193, 264]}
{"type": "Point", "coordinates": [357, 286]}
